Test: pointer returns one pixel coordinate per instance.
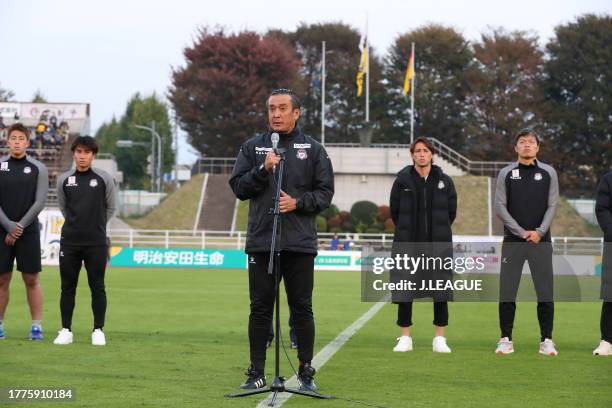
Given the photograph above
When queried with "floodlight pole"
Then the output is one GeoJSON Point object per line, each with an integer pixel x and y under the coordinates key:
{"type": "Point", "coordinates": [159, 150]}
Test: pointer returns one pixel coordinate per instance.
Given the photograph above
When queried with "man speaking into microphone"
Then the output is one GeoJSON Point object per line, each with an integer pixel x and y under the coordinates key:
{"type": "Point", "coordinates": [307, 189]}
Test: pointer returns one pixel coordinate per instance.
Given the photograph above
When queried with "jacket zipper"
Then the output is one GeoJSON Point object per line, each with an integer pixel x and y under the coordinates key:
{"type": "Point", "coordinates": [426, 213]}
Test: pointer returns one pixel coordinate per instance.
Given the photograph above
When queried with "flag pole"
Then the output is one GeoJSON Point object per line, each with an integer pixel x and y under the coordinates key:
{"type": "Point", "coordinates": [412, 102]}
{"type": "Point", "coordinates": [367, 90]}
{"type": "Point", "coordinates": [323, 93]}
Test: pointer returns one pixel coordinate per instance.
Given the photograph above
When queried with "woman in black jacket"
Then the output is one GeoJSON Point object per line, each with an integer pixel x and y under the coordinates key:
{"type": "Point", "coordinates": [423, 206]}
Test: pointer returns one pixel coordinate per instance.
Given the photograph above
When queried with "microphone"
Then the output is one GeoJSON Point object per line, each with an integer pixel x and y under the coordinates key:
{"type": "Point", "coordinates": [274, 137]}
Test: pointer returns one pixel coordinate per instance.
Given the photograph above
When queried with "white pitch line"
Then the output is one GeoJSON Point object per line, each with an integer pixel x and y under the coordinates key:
{"type": "Point", "coordinates": [326, 353]}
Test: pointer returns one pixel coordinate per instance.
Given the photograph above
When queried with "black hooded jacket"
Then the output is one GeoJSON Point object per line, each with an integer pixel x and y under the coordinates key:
{"type": "Point", "coordinates": [308, 177]}
{"type": "Point", "coordinates": [441, 204]}
{"type": "Point", "coordinates": [423, 214]}
{"type": "Point", "coordinates": [603, 211]}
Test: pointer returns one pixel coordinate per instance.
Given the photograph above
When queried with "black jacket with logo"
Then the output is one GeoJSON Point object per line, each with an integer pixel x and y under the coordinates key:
{"type": "Point", "coordinates": [24, 184]}
{"type": "Point", "coordinates": [308, 177]}
{"type": "Point", "coordinates": [441, 208]}
{"type": "Point", "coordinates": [603, 211]}
{"type": "Point", "coordinates": [526, 199]}
{"type": "Point", "coordinates": [87, 199]}
{"type": "Point", "coordinates": [423, 213]}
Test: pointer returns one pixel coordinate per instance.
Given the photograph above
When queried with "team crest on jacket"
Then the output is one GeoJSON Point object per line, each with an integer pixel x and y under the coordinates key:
{"type": "Point", "coordinates": [93, 183]}
{"type": "Point", "coordinates": [301, 154]}
{"type": "Point", "coordinates": [537, 177]}
{"type": "Point", "coordinates": [27, 170]}
{"type": "Point", "coordinates": [440, 185]}
{"type": "Point", "coordinates": [71, 181]}
{"type": "Point", "coordinates": [515, 174]}
{"type": "Point", "coordinates": [4, 166]}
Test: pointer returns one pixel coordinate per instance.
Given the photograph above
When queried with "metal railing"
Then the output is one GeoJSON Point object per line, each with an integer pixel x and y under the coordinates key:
{"type": "Point", "coordinates": [224, 165]}
{"type": "Point", "coordinates": [213, 165]}
{"type": "Point", "coordinates": [477, 168]}
{"type": "Point", "coordinates": [237, 240]}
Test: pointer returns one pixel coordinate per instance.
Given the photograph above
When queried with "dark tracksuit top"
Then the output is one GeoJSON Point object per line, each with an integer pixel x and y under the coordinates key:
{"type": "Point", "coordinates": [526, 199]}
{"type": "Point", "coordinates": [23, 193]}
{"type": "Point", "coordinates": [603, 211]}
{"type": "Point", "coordinates": [308, 177]}
{"type": "Point", "coordinates": [87, 200]}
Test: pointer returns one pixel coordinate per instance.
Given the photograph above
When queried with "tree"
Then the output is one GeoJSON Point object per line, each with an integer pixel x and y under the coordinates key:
{"type": "Point", "coordinates": [578, 85]}
{"type": "Point", "coordinates": [503, 95]}
{"type": "Point", "coordinates": [345, 112]}
{"type": "Point", "coordinates": [219, 95]}
{"type": "Point", "coordinates": [133, 160]}
{"type": "Point", "coordinates": [39, 97]}
{"type": "Point", "coordinates": [442, 57]}
{"type": "Point", "coordinates": [6, 95]}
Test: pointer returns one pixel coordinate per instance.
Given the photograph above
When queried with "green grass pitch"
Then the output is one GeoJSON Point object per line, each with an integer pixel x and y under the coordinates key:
{"type": "Point", "coordinates": [179, 338]}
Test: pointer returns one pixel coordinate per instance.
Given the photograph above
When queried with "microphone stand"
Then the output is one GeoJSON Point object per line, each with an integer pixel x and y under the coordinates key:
{"type": "Point", "coordinates": [278, 384]}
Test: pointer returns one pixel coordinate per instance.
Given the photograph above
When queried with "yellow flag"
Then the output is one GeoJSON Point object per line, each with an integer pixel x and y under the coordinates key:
{"type": "Point", "coordinates": [363, 65]}
{"type": "Point", "coordinates": [409, 74]}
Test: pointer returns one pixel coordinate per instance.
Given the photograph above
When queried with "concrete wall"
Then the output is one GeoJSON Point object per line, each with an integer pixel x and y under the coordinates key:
{"type": "Point", "coordinates": [367, 173]}
{"type": "Point", "coordinates": [110, 166]}
{"type": "Point", "coordinates": [137, 202]}
{"type": "Point", "coordinates": [586, 209]}
{"type": "Point", "coordinates": [378, 160]}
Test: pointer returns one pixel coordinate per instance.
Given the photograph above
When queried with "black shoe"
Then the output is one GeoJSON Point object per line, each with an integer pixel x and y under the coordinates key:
{"type": "Point", "coordinates": [305, 375]}
{"type": "Point", "coordinates": [255, 380]}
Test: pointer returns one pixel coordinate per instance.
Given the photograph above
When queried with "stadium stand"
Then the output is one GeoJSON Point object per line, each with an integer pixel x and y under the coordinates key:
{"type": "Point", "coordinates": [52, 129]}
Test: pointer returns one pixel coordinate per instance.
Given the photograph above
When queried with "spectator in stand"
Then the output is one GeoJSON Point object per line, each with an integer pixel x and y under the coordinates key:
{"type": "Point", "coordinates": [347, 244]}
{"type": "Point", "coordinates": [335, 242]}
{"type": "Point", "coordinates": [2, 133]}
{"type": "Point", "coordinates": [64, 131]}
{"type": "Point", "coordinates": [47, 139]}
{"type": "Point", "coordinates": [41, 128]}
{"type": "Point", "coordinates": [58, 139]}
{"type": "Point", "coordinates": [44, 116]}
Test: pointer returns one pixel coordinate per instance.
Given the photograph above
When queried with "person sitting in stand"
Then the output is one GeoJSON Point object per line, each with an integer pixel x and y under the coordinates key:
{"type": "Point", "coordinates": [335, 243]}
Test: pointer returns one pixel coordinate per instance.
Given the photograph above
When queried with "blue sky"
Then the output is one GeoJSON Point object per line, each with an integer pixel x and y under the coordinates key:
{"type": "Point", "coordinates": [103, 52]}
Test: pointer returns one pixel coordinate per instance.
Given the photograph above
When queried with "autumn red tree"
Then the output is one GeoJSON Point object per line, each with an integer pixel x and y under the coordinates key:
{"type": "Point", "coordinates": [219, 95]}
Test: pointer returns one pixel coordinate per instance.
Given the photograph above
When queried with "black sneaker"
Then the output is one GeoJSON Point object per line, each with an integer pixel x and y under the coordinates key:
{"type": "Point", "coordinates": [254, 380]}
{"type": "Point", "coordinates": [305, 375]}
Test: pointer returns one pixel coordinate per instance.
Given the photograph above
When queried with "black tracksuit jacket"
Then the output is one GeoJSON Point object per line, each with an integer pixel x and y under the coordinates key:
{"type": "Point", "coordinates": [308, 177]}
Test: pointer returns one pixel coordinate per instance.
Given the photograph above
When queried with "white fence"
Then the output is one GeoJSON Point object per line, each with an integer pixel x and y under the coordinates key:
{"type": "Point", "coordinates": [226, 239]}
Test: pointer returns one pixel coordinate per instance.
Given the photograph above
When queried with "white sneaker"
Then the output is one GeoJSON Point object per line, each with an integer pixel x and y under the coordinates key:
{"type": "Point", "coordinates": [440, 346]}
{"type": "Point", "coordinates": [98, 338]}
{"type": "Point", "coordinates": [504, 346]}
{"type": "Point", "coordinates": [404, 344]}
{"type": "Point", "coordinates": [547, 348]}
{"type": "Point", "coordinates": [604, 349]}
{"type": "Point", "coordinates": [64, 336]}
